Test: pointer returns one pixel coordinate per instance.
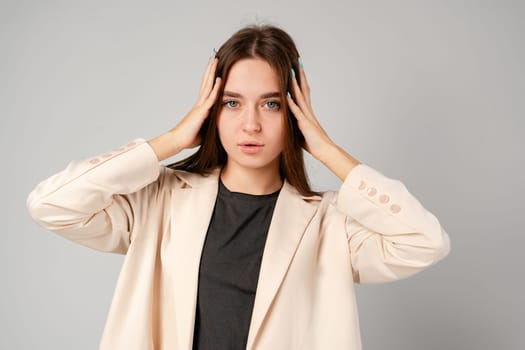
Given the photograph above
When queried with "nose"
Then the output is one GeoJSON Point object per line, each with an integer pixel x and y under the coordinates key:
{"type": "Point", "coordinates": [251, 122]}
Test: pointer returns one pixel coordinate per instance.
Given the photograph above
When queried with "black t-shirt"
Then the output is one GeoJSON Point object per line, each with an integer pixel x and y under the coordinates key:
{"type": "Point", "coordinates": [229, 269]}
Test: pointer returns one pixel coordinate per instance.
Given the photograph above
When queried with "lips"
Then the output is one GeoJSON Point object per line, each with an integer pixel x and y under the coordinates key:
{"type": "Point", "coordinates": [250, 143]}
{"type": "Point", "coordinates": [251, 147]}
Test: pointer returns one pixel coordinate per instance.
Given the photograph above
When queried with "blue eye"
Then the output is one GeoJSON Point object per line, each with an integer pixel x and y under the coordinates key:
{"type": "Point", "coordinates": [231, 104]}
{"type": "Point", "coordinates": [274, 105]}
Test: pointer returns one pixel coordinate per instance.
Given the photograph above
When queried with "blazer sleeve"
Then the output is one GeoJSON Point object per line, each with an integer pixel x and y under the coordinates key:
{"type": "Point", "coordinates": [390, 234]}
{"type": "Point", "coordinates": [95, 202]}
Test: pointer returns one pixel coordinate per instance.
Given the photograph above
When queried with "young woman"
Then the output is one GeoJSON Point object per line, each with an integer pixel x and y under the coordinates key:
{"type": "Point", "coordinates": [230, 248]}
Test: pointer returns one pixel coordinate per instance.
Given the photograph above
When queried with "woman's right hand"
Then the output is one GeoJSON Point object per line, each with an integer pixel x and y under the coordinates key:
{"type": "Point", "coordinates": [186, 133]}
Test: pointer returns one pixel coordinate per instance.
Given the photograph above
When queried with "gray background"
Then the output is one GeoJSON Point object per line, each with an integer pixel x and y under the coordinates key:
{"type": "Point", "coordinates": [429, 92]}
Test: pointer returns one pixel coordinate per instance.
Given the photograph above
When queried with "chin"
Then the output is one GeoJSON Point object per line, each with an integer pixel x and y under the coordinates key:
{"type": "Point", "coordinates": [257, 164]}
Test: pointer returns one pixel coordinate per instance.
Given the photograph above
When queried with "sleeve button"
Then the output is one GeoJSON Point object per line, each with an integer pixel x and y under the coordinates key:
{"type": "Point", "coordinates": [362, 185]}
{"type": "Point", "coordinates": [384, 198]}
{"type": "Point", "coordinates": [371, 191]}
{"type": "Point", "coordinates": [394, 208]}
{"type": "Point", "coordinates": [131, 144]}
{"type": "Point", "coordinates": [106, 155]}
{"type": "Point", "coordinates": [94, 161]}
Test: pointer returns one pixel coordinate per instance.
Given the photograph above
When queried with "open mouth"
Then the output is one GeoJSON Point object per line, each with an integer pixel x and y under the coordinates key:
{"type": "Point", "coordinates": [251, 147]}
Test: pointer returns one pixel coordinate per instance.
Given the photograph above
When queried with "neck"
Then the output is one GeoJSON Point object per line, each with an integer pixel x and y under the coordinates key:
{"type": "Point", "coordinates": [251, 181]}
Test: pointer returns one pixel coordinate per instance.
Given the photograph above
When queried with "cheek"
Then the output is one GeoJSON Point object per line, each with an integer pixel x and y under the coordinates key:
{"type": "Point", "coordinates": [220, 124]}
{"type": "Point", "coordinates": [224, 131]}
{"type": "Point", "coordinates": [278, 130]}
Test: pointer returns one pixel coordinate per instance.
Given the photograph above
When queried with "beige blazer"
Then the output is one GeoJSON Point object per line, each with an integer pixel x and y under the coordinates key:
{"type": "Point", "coordinates": [372, 230]}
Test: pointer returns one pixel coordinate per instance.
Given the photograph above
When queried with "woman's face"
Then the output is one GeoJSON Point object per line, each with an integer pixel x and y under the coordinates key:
{"type": "Point", "coordinates": [251, 120]}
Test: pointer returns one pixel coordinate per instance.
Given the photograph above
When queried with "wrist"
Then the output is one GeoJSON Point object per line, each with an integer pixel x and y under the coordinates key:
{"type": "Point", "coordinates": [165, 145]}
{"type": "Point", "coordinates": [326, 152]}
{"type": "Point", "coordinates": [338, 161]}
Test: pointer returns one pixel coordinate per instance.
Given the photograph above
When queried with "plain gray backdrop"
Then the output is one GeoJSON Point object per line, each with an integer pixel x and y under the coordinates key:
{"type": "Point", "coordinates": [428, 92]}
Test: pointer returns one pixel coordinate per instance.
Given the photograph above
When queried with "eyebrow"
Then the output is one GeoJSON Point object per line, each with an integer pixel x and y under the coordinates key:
{"type": "Point", "coordinates": [266, 95]}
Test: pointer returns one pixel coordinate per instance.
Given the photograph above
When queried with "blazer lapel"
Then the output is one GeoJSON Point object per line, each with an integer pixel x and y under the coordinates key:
{"type": "Point", "coordinates": [291, 215]}
{"type": "Point", "coordinates": [185, 249]}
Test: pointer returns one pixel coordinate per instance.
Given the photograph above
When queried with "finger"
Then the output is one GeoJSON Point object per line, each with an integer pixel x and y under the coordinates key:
{"type": "Point", "coordinates": [305, 87]}
{"type": "Point", "coordinates": [211, 60]}
{"type": "Point", "coordinates": [209, 82]}
{"type": "Point", "coordinates": [299, 97]}
{"type": "Point", "coordinates": [296, 110]}
{"type": "Point", "coordinates": [205, 75]}
{"type": "Point", "coordinates": [213, 94]}
{"type": "Point", "coordinates": [302, 103]}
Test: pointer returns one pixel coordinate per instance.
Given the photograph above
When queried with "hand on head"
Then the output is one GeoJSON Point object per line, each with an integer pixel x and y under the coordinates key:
{"type": "Point", "coordinates": [186, 133]}
{"type": "Point", "coordinates": [316, 138]}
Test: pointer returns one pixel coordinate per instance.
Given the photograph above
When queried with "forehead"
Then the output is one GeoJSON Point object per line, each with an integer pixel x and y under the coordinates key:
{"type": "Point", "coordinates": [252, 76]}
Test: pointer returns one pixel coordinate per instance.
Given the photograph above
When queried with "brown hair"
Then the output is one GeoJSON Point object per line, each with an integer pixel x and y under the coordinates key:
{"type": "Point", "coordinates": [276, 47]}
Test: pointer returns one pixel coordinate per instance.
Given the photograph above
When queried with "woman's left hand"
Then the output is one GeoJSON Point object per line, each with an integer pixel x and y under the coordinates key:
{"type": "Point", "coordinates": [317, 141]}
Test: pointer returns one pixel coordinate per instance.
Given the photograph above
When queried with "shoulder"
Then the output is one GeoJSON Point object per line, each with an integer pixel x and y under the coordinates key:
{"type": "Point", "coordinates": [173, 179]}
{"type": "Point", "coordinates": [321, 199]}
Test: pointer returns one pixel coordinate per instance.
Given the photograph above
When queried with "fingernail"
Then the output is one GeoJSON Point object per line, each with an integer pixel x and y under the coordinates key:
{"type": "Point", "coordinates": [293, 73]}
{"type": "Point", "coordinates": [289, 95]}
{"type": "Point", "coordinates": [301, 63]}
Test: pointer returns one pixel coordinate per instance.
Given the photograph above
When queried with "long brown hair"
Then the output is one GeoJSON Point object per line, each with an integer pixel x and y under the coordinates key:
{"type": "Point", "coordinates": [276, 47]}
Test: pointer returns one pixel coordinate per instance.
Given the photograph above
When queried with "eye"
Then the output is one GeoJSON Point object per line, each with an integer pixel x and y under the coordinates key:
{"type": "Point", "coordinates": [231, 104]}
{"type": "Point", "coordinates": [273, 105]}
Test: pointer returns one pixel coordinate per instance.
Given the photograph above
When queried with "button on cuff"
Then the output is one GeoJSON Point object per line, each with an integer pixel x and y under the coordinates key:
{"type": "Point", "coordinates": [384, 198]}
{"type": "Point", "coordinates": [394, 208]}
